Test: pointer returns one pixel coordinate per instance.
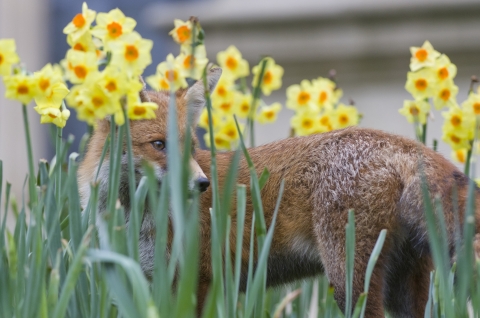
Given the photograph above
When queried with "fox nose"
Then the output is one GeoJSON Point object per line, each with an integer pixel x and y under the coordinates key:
{"type": "Point", "coordinates": [203, 183]}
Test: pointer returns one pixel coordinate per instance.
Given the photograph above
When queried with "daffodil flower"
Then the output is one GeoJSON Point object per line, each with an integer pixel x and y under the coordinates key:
{"type": "Point", "coordinates": [83, 43]}
{"type": "Point", "coordinates": [95, 98]}
{"type": "Point", "coordinates": [20, 87]}
{"type": "Point", "coordinates": [217, 120]}
{"type": "Point", "coordinates": [53, 115]}
{"type": "Point", "coordinates": [444, 69]}
{"type": "Point", "coordinates": [268, 114]}
{"type": "Point", "coordinates": [345, 116]}
{"type": "Point", "coordinates": [421, 84]}
{"type": "Point", "coordinates": [301, 97]}
{"type": "Point", "coordinates": [46, 77]}
{"type": "Point", "coordinates": [415, 110]}
{"type": "Point", "coordinates": [305, 123]}
{"type": "Point", "coordinates": [224, 88]}
{"type": "Point", "coordinates": [326, 94]}
{"type": "Point", "coordinates": [113, 81]}
{"type": "Point", "coordinates": [8, 56]}
{"type": "Point", "coordinates": [132, 53]}
{"type": "Point", "coordinates": [182, 33]}
{"type": "Point", "coordinates": [232, 63]}
{"type": "Point", "coordinates": [112, 26]}
{"type": "Point", "coordinates": [423, 56]}
{"type": "Point", "coordinates": [272, 76]}
{"type": "Point", "coordinates": [472, 104]}
{"type": "Point", "coordinates": [222, 141]}
{"type": "Point", "coordinates": [326, 121]}
{"type": "Point", "coordinates": [54, 98]}
{"type": "Point", "coordinates": [460, 155]}
{"type": "Point", "coordinates": [458, 120]}
{"type": "Point", "coordinates": [457, 139]}
{"type": "Point", "coordinates": [80, 66]}
{"type": "Point", "coordinates": [243, 104]}
{"type": "Point", "coordinates": [80, 23]}
{"type": "Point", "coordinates": [169, 76]}
{"type": "Point", "coordinates": [229, 129]}
{"type": "Point", "coordinates": [136, 109]}
{"type": "Point", "coordinates": [445, 95]}
{"type": "Point", "coordinates": [192, 66]}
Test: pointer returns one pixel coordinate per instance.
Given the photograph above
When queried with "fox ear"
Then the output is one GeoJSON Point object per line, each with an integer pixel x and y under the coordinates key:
{"type": "Point", "coordinates": [143, 93]}
{"type": "Point", "coordinates": [195, 95]}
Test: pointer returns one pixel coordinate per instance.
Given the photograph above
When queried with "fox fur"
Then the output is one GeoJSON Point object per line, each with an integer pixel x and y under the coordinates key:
{"type": "Point", "coordinates": [373, 172]}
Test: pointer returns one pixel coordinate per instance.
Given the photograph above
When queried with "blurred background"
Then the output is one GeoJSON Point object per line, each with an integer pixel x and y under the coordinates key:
{"type": "Point", "coordinates": [366, 41]}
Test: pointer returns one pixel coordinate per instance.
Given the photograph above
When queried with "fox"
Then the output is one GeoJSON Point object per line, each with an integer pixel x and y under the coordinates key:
{"type": "Point", "coordinates": [375, 173]}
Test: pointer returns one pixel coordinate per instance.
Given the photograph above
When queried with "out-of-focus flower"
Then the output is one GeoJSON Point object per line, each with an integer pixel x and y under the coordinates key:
{"type": "Point", "coordinates": [269, 114]}
{"type": "Point", "coordinates": [444, 69]}
{"type": "Point", "coordinates": [326, 121]}
{"type": "Point", "coordinates": [54, 97]}
{"type": "Point", "coordinates": [224, 88]}
{"type": "Point", "coordinates": [458, 120]}
{"type": "Point", "coordinates": [20, 87]}
{"type": "Point", "coordinates": [460, 155]}
{"type": "Point", "coordinates": [422, 56]}
{"type": "Point", "coordinates": [80, 23]}
{"type": "Point", "coordinates": [80, 66]}
{"type": "Point", "coordinates": [84, 43]}
{"type": "Point", "coordinates": [232, 63]}
{"type": "Point", "coordinates": [192, 66]}
{"type": "Point", "coordinates": [457, 139]}
{"type": "Point", "coordinates": [112, 25]}
{"type": "Point", "coordinates": [53, 115]}
{"type": "Point", "coordinates": [132, 53]}
{"type": "Point", "coordinates": [272, 76]}
{"type": "Point", "coordinates": [203, 120]}
{"type": "Point", "coordinates": [445, 95]}
{"type": "Point", "coordinates": [8, 56]}
{"type": "Point", "coordinates": [421, 84]}
{"type": "Point", "coordinates": [226, 106]}
{"type": "Point", "coordinates": [169, 76]}
{"type": "Point", "coordinates": [345, 116]}
{"type": "Point", "coordinates": [182, 33]}
{"type": "Point", "coordinates": [95, 98]}
{"type": "Point", "coordinates": [113, 81]}
{"type": "Point", "coordinates": [136, 109]}
{"type": "Point", "coordinates": [472, 104]}
{"type": "Point", "coordinates": [305, 123]}
{"type": "Point", "coordinates": [301, 97]}
{"type": "Point", "coordinates": [243, 104]}
{"type": "Point", "coordinates": [415, 110]}
{"type": "Point", "coordinates": [46, 77]}
{"type": "Point", "coordinates": [222, 141]}
{"type": "Point", "coordinates": [229, 129]}
{"type": "Point", "coordinates": [326, 94]}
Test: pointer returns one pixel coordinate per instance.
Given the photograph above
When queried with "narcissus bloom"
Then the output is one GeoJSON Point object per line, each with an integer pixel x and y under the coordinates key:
{"type": "Point", "coordinates": [111, 26]}
{"type": "Point", "coordinates": [84, 43]}
{"type": "Point", "coordinates": [326, 121]}
{"type": "Point", "coordinates": [326, 93]}
{"type": "Point", "coordinates": [243, 104]}
{"type": "Point", "coordinates": [8, 56]}
{"type": "Point", "coordinates": [305, 123]}
{"type": "Point", "coordinates": [415, 110]}
{"type": "Point", "coordinates": [225, 106]}
{"type": "Point", "coordinates": [222, 141]}
{"type": "Point", "coordinates": [224, 88]}
{"type": "Point", "coordinates": [54, 98]}
{"type": "Point", "coordinates": [169, 76]}
{"type": "Point", "coordinates": [95, 98]}
{"type": "Point", "coordinates": [216, 120]}
{"type": "Point", "coordinates": [232, 63]}
{"type": "Point", "coordinates": [80, 23]}
{"type": "Point", "coordinates": [46, 77]}
{"type": "Point", "coordinates": [301, 97]}
{"type": "Point", "coordinates": [192, 66]}
{"type": "Point", "coordinates": [183, 32]}
{"type": "Point", "coordinates": [345, 116]}
{"type": "Point", "coordinates": [136, 109]}
{"type": "Point", "coordinates": [113, 81]}
{"type": "Point", "coordinates": [460, 155]}
{"type": "Point", "coordinates": [272, 76]}
{"type": "Point", "coordinates": [457, 139]}
{"type": "Point", "coordinates": [53, 115]}
{"type": "Point", "coordinates": [472, 104]}
{"type": "Point", "coordinates": [458, 120]}
{"type": "Point", "coordinates": [20, 87]}
{"type": "Point", "coordinates": [421, 84]}
{"type": "Point", "coordinates": [444, 69]}
{"type": "Point", "coordinates": [445, 94]}
{"type": "Point", "coordinates": [132, 53]}
{"type": "Point", "coordinates": [422, 56]}
{"type": "Point", "coordinates": [80, 66]}
{"type": "Point", "coordinates": [229, 130]}
{"type": "Point", "coordinates": [269, 114]}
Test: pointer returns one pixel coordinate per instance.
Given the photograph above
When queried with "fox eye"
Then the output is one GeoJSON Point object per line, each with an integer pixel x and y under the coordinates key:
{"type": "Point", "coordinates": [158, 144]}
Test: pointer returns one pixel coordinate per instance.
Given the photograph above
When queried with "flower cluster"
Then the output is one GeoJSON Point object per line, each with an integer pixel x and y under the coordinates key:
{"type": "Point", "coordinates": [431, 78]}
{"type": "Point", "coordinates": [317, 108]}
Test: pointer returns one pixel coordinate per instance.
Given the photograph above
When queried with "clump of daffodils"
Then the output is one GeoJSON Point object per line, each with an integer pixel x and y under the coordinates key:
{"type": "Point", "coordinates": [317, 108]}
{"type": "Point", "coordinates": [431, 80]}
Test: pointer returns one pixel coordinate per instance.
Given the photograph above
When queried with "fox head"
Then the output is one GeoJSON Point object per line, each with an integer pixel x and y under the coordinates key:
{"type": "Point", "coordinates": [149, 141]}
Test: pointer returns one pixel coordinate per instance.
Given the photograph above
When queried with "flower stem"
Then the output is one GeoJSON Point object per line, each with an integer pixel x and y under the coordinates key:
{"type": "Point", "coordinates": [467, 162]}
{"type": "Point", "coordinates": [31, 170]}
{"type": "Point", "coordinates": [424, 133]}
{"type": "Point", "coordinates": [58, 161]}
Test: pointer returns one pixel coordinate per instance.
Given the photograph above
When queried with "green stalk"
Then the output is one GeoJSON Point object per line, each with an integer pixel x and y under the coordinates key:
{"type": "Point", "coordinates": [467, 162]}
{"type": "Point", "coordinates": [31, 169]}
{"type": "Point", "coordinates": [424, 133]}
{"type": "Point", "coordinates": [255, 98]}
{"type": "Point", "coordinates": [58, 176]}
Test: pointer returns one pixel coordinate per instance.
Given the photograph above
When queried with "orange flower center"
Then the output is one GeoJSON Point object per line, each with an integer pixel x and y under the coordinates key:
{"type": "Point", "coordinates": [97, 101]}
{"type": "Point", "coordinates": [325, 121]}
{"type": "Point", "coordinates": [343, 119]}
{"type": "Point", "coordinates": [111, 86]}
{"type": "Point", "coordinates": [476, 108]}
{"type": "Point", "coordinates": [52, 116]}
{"type": "Point", "coordinates": [267, 78]}
{"type": "Point", "coordinates": [456, 120]}
{"type": "Point", "coordinates": [226, 106]}
{"type": "Point", "coordinates": [270, 114]}
{"type": "Point", "coordinates": [139, 111]}
{"type": "Point", "coordinates": [80, 71]}
{"type": "Point", "coordinates": [421, 84]}
{"type": "Point", "coordinates": [460, 156]}
{"type": "Point", "coordinates": [221, 91]}
{"type": "Point", "coordinates": [443, 73]}
{"type": "Point", "coordinates": [79, 47]}
{"type": "Point", "coordinates": [414, 111]}
{"type": "Point", "coordinates": [131, 53]}
{"type": "Point", "coordinates": [171, 75]}
{"type": "Point", "coordinates": [188, 61]}
{"type": "Point", "coordinates": [164, 84]}
{"type": "Point", "coordinates": [455, 139]}
{"type": "Point", "coordinates": [79, 20]}
{"type": "Point", "coordinates": [445, 94]}
{"type": "Point", "coordinates": [307, 123]}
{"type": "Point", "coordinates": [303, 98]}
{"type": "Point", "coordinates": [183, 33]}
{"type": "Point", "coordinates": [322, 97]}
{"type": "Point", "coordinates": [114, 30]}
{"type": "Point", "coordinates": [22, 89]}
{"type": "Point", "coordinates": [231, 133]}
{"type": "Point", "coordinates": [245, 107]}
{"type": "Point", "coordinates": [1, 58]}
{"type": "Point", "coordinates": [421, 55]}
{"type": "Point", "coordinates": [44, 84]}
{"type": "Point", "coordinates": [231, 63]}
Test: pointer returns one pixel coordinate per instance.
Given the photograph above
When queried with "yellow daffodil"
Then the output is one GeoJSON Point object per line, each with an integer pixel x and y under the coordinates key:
{"type": "Point", "coordinates": [305, 123]}
{"type": "Point", "coordinates": [216, 120]}
{"type": "Point", "coordinates": [113, 81]}
{"type": "Point", "coordinates": [136, 109]}
{"type": "Point", "coordinates": [183, 32]}
{"type": "Point", "coordinates": [53, 115]}
{"type": "Point", "coordinates": [169, 76]}
{"type": "Point", "coordinates": [224, 88]}
{"type": "Point", "coordinates": [444, 69]}
{"type": "Point", "coordinates": [222, 141]}
{"type": "Point", "coordinates": [272, 77]}
{"type": "Point", "coordinates": [72, 97]}
{"type": "Point", "coordinates": [269, 114]}
{"type": "Point", "coordinates": [229, 129]}
{"type": "Point", "coordinates": [243, 104]}
{"type": "Point", "coordinates": [326, 121]}
{"type": "Point", "coordinates": [232, 63]}
{"type": "Point", "coordinates": [80, 66]}
{"type": "Point", "coordinates": [458, 120]}
{"type": "Point", "coordinates": [325, 93]}
{"type": "Point", "coordinates": [423, 56]}
{"type": "Point", "coordinates": [132, 54]}
{"type": "Point", "coordinates": [84, 43]}
{"type": "Point", "coordinates": [225, 106]}
{"type": "Point", "coordinates": [95, 98]}
{"type": "Point", "coordinates": [8, 56]}
{"type": "Point", "coordinates": [415, 110]}
{"type": "Point", "coordinates": [421, 84]}
{"type": "Point", "coordinates": [112, 25]}
{"type": "Point", "coordinates": [192, 66]}
{"type": "Point", "coordinates": [460, 155]}
{"type": "Point", "coordinates": [46, 77]}
{"type": "Point", "coordinates": [20, 87]}
{"type": "Point", "coordinates": [301, 97]}
{"type": "Point", "coordinates": [80, 23]}
{"type": "Point", "coordinates": [445, 95]}
{"type": "Point", "coordinates": [457, 139]}
{"type": "Point", "coordinates": [472, 104]}
{"type": "Point", "coordinates": [54, 98]}
{"type": "Point", "coordinates": [345, 116]}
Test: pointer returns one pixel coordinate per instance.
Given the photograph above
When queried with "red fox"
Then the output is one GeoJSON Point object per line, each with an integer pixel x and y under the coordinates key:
{"type": "Point", "coordinates": [373, 172]}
